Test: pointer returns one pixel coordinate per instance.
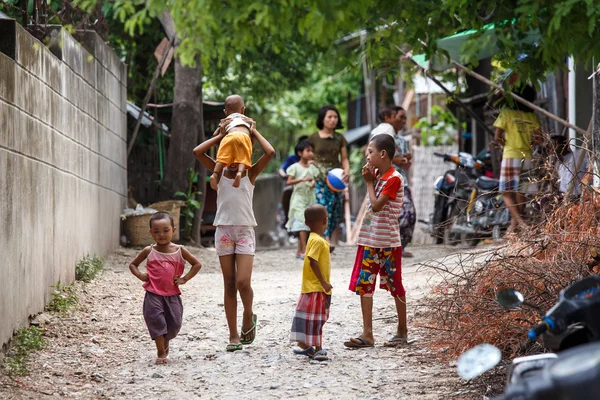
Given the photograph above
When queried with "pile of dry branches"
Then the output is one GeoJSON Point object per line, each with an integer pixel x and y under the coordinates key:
{"type": "Point", "coordinates": [539, 263]}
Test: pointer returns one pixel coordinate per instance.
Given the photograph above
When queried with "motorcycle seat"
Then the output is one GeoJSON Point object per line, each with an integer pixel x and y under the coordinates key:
{"type": "Point", "coordinates": [486, 183]}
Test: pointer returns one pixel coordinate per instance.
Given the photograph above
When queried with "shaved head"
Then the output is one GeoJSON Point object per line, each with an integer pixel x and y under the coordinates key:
{"type": "Point", "coordinates": [234, 104]}
{"type": "Point", "coordinates": [314, 213]}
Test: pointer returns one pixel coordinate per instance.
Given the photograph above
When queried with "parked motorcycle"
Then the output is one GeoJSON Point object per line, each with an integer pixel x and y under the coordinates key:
{"type": "Point", "coordinates": [487, 215]}
{"type": "Point", "coordinates": [570, 328]}
{"type": "Point", "coordinates": [448, 223]}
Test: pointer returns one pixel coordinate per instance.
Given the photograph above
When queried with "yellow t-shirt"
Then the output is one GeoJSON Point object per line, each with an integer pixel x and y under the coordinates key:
{"type": "Point", "coordinates": [317, 248]}
{"type": "Point", "coordinates": [518, 127]}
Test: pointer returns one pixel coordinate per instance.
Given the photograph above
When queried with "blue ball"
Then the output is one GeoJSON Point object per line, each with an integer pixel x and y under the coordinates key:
{"type": "Point", "coordinates": [334, 180]}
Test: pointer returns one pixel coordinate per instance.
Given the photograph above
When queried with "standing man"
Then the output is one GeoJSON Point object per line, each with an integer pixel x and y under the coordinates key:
{"type": "Point", "coordinates": [402, 162]}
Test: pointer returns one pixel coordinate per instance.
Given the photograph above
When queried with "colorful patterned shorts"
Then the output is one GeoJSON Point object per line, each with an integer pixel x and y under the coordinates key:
{"type": "Point", "coordinates": [234, 239]}
{"type": "Point", "coordinates": [370, 262]}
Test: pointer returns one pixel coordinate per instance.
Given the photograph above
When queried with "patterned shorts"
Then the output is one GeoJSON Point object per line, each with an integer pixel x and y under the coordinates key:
{"type": "Point", "coordinates": [370, 262]}
{"type": "Point", "coordinates": [234, 239]}
{"type": "Point", "coordinates": [512, 171]}
{"type": "Point", "coordinates": [312, 311]}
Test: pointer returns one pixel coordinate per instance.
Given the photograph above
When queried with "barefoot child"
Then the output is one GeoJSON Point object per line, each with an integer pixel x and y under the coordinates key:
{"type": "Point", "coordinates": [234, 237]}
{"type": "Point", "coordinates": [235, 150]}
{"type": "Point", "coordinates": [379, 246]}
{"type": "Point", "coordinates": [163, 309]}
{"type": "Point", "coordinates": [312, 310]}
{"type": "Point", "coordinates": [302, 176]}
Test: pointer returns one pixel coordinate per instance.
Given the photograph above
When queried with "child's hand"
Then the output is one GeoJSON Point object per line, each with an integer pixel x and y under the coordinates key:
{"type": "Point", "coordinates": [367, 173]}
{"type": "Point", "coordinates": [313, 184]}
{"type": "Point", "coordinates": [178, 280]}
{"type": "Point", "coordinates": [251, 122]}
{"type": "Point", "coordinates": [222, 125]}
{"type": "Point", "coordinates": [143, 277]}
{"type": "Point", "coordinates": [326, 286]}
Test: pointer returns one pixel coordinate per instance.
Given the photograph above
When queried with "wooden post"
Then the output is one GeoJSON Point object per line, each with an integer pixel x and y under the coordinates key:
{"type": "Point", "coordinates": [347, 216]}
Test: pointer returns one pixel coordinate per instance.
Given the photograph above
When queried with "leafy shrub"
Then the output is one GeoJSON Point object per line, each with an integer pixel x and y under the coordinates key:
{"type": "Point", "coordinates": [88, 268]}
{"type": "Point", "coordinates": [23, 343]}
{"type": "Point", "coordinates": [63, 300]}
{"type": "Point", "coordinates": [442, 129]}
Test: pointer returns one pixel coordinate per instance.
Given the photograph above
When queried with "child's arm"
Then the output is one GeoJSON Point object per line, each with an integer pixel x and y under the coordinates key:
{"type": "Point", "coordinates": [263, 161]}
{"type": "Point", "coordinates": [133, 266]}
{"type": "Point", "coordinates": [377, 203]}
{"type": "Point", "coordinates": [202, 148]}
{"type": "Point", "coordinates": [187, 256]}
{"type": "Point", "coordinates": [314, 265]}
{"type": "Point", "coordinates": [292, 181]}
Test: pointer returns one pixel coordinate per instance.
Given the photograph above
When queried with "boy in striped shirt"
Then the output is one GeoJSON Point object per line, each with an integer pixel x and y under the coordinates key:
{"type": "Point", "coordinates": [379, 246]}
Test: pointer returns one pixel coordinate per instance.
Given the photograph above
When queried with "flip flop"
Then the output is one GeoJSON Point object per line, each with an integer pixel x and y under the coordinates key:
{"type": "Point", "coordinates": [161, 360]}
{"type": "Point", "coordinates": [234, 347]}
{"type": "Point", "coordinates": [320, 355]}
{"type": "Point", "coordinates": [353, 345]}
{"type": "Point", "coordinates": [309, 351]}
{"type": "Point", "coordinates": [398, 342]}
{"type": "Point", "coordinates": [245, 334]}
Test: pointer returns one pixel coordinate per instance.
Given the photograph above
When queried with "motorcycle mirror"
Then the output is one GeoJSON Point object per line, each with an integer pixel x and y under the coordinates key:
{"type": "Point", "coordinates": [510, 298]}
{"type": "Point", "coordinates": [474, 362]}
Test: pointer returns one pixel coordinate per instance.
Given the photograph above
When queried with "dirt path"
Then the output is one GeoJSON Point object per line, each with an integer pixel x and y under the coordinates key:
{"type": "Point", "coordinates": [103, 349]}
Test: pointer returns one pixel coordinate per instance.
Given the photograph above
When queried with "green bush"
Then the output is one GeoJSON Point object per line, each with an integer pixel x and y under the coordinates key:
{"type": "Point", "coordinates": [442, 130]}
{"type": "Point", "coordinates": [63, 300]}
{"type": "Point", "coordinates": [88, 268]}
{"type": "Point", "coordinates": [23, 343]}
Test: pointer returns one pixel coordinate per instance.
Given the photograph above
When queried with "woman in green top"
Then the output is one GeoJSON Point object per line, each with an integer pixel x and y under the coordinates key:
{"type": "Point", "coordinates": [517, 128]}
{"type": "Point", "coordinates": [330, 152]}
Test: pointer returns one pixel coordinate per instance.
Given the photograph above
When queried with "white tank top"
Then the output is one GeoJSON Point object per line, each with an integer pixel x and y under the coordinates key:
{"type": "Point", "coordinates": [234, 205]}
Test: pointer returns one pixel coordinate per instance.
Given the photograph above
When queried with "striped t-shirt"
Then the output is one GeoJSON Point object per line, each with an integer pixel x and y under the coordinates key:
{"type": "Point", "coordinates": [380, 229]}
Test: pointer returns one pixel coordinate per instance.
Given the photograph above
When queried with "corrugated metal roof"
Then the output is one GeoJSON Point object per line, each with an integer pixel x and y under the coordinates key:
{"type": "Point", "coordinates": [356, 134]}
{"type": "Point", "coordinates": [147, 119]}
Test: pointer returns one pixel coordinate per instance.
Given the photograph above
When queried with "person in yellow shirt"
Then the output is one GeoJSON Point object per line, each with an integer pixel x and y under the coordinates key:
{"type": "Point", "coordinates": [312, 310]}
{"type": "Point", "coordinates": [517, 129]}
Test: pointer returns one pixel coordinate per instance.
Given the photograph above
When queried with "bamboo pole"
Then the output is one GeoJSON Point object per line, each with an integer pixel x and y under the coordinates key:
{"type": "Point", "coordinates": [149, 93]}
{"type": "Point", "coordinates": [518, 98]}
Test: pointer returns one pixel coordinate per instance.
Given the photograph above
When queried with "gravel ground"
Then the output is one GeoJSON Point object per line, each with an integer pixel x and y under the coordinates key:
{"type": "Point", "coordinates": [102, 350]}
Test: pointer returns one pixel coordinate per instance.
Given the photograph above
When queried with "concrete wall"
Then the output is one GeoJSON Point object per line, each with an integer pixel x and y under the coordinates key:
{"type": "Point", "coordinates": [425, 169]}
{"type": "Point", "coordinates": [63, 162]}
{"type": "Point", "coordinates": [267, 195]}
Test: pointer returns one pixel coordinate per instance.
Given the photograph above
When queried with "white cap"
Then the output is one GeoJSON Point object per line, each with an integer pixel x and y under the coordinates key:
{"type": "Point", "coordinates": [384, 127]}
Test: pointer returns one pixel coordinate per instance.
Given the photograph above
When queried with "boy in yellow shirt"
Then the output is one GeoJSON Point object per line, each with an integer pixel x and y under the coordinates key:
{"type": "Point", "coordinates": [312, 310]}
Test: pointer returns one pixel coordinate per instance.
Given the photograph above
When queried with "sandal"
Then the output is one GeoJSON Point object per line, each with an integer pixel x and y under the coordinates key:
{"type": "Point", "coordinates": [245, 335]}
{"type": "Point", "coordinates": [309, 351]}
{"type": "Point", "coordinates": [234, 347]}
{"type": "Point", "coordinates": [161, 360]}
{"type": "Point", "coordinates": [320, 355]}
{"type": "Point", "coordinates": [353, 345]}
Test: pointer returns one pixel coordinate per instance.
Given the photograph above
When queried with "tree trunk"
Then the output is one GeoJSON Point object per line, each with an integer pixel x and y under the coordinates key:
{"type": "Point", "coordinates": [187, 127]}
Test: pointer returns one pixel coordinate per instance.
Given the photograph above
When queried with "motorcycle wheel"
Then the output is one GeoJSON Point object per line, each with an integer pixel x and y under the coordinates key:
{"type": "Point", "coordinates": [455, 216]}
{"type": "Point", "coordinates": [451, 239]}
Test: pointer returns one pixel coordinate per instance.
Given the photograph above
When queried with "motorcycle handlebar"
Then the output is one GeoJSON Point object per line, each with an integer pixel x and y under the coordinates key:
{"type": "Point", "coordinates": [439, 155]}
{"type": "Point", "coordinates": [537, 330]}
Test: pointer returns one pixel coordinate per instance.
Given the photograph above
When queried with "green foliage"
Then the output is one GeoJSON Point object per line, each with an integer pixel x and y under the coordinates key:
{"type": "Point", "coordinates": [441, 130]}
{"type": "Point", "coordinates": [25, 341]}
{"type": "Point", "coordinates": [357, 160]}
{"type": "Point", "coordinates": [191, 204]}
{"type": "Point", "coordinates": [64, 299]}
{"type": "Point", "coordinates": [88, 267]}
